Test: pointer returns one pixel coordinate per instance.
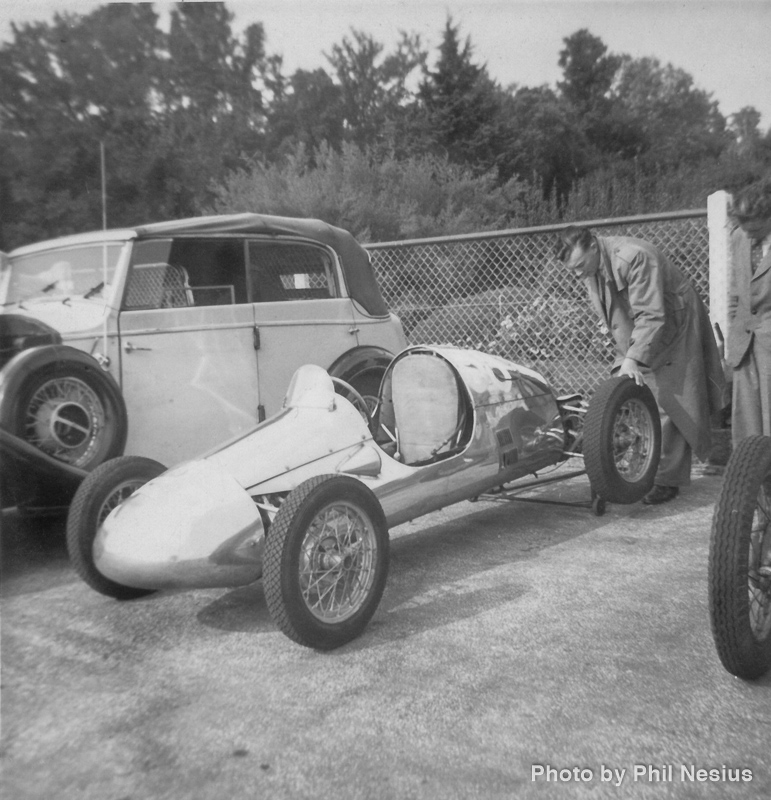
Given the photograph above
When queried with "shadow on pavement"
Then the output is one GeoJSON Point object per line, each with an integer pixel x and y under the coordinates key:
{"type": "Point", "coordinates": [34, 553]}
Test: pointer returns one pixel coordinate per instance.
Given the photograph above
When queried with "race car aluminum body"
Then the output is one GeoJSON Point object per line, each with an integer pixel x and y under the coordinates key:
{"type": "Point", "coordinates": [466, 422]}
{"type": "Point", "coordinates": [305, 499]}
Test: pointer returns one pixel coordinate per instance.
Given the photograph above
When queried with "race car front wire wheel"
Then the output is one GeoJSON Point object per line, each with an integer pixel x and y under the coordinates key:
{"type": "Point", "coordinates": [326, 561]}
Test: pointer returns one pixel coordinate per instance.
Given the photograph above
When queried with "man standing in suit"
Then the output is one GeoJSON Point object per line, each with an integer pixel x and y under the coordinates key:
{"type": "Point", "coordinates": [663, 338]}
{"type": "Point", "coordinates": [748, 340]}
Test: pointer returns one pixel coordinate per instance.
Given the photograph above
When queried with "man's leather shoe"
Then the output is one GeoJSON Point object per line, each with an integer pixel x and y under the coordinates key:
{"type": "Point", "coordinates": [660, 494]}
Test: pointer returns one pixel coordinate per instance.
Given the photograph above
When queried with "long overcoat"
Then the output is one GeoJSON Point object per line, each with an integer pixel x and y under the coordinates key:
{"type": "Point", "coordinates": [656, 317]}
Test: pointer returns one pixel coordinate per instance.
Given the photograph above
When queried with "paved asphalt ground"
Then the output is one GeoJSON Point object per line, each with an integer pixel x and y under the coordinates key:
{"type": "Point", "coordinates": [510, 635]}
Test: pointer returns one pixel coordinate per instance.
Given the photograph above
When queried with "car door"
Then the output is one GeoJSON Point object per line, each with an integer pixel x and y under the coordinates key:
{"type": "Point", "coordinates": [299, 312]}
{"type": "Point", "coordinates": [187, 347]}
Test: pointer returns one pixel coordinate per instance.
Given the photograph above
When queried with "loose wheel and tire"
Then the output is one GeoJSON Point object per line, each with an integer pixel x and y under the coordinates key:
{"type": "Point", "coordinates": [622, 440]}
{"type": "Point", "coordinates": [70, 411]}
{"type": "Point", "coordinates": [740, 561]}
{"type": "Point", "coordinates": [326, 561]}
{"type": "Point", "coordinates": [101, 491]}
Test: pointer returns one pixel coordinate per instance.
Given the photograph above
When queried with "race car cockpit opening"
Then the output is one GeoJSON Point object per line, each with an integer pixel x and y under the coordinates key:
{"type": "Point", "coordinates": [424, 414]}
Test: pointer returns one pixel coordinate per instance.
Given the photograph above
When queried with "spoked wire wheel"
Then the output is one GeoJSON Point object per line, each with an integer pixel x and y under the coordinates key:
{"type": "Point", "coordinates": [740, 561]}
{"type": "Point", "coordinates": [326, 561]}
{"type": "Point", "coordinates": [116, 496]}
{"type": "Point", "coordinates": [622, 440]}
{"type": "Point", "coordinates": [337, 562]}
{"type": "Point", "coordinates": [68, 408]}
{"type": "Point", "coordinates": [632, 437]}
{"type": "Point", "coordinates": [65, 418]}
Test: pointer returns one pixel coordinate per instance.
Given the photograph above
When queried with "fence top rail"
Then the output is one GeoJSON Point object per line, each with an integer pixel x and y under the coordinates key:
{"type": "Point", "coordinates": [594, 223]}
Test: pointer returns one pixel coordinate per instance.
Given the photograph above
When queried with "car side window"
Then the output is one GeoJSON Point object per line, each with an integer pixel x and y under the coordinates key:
{"type": "Point", "coordinates": [279, 271]}
{"type": "Point", "coordinates": [186, 272]}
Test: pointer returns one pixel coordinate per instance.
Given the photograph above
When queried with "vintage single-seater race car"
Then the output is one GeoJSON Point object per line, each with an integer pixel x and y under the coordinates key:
{"type": "Point", "coordinates": [305, 499]}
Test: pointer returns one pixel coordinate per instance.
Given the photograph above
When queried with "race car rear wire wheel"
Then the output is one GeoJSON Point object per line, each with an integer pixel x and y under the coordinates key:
{"type": "Point", "coordinates": [326, 561]}
{"type": "Point", "coordinates": [622, 440]}
{"type": "Point", "coordinates": [103, 490]}
{"type": "Point", "coordinates": [740, 561]}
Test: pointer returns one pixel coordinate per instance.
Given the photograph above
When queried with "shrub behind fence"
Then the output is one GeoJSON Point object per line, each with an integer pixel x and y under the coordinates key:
{"type": "Point", "coordinates": [505, 293]}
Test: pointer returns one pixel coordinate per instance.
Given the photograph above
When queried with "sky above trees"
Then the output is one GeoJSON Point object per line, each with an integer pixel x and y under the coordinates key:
{"type": "Point", "coordinates": [722, 44]}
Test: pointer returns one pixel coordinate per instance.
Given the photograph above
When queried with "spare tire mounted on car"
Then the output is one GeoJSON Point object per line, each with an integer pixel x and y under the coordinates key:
{"type": "Point", "coordinates": [59, 400]}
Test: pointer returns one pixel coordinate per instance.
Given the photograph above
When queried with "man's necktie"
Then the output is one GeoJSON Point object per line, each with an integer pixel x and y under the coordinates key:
{"type": "Point", "coordinates": [756, 254]}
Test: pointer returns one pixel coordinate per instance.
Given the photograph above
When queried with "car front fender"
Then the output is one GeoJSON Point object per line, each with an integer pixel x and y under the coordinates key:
{"type": "Point", "coordinates": [360, 361]}
{"type": "Point", "coordinates": [24, 364]}
{"type": "Point", "coordinates": [31, 478]}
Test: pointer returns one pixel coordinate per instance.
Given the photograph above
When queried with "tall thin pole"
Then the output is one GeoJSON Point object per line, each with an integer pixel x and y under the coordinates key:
{"type": "Point", "coordinates": [104, 187]}
{"type": "Point", "coordinates": [104, 251]}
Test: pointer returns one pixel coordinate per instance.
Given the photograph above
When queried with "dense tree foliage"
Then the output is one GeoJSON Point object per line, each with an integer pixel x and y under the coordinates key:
{"type": "Point", "coordinates": [194, 117]}
{"type": "Point", "coordinates": [374, 89]}
{"type": "Point", "coordinates": [375, 199]}
{"type": "Point", "coordinates": [174, 111]}
{"type": "Point", "coordinates": [459, 106]}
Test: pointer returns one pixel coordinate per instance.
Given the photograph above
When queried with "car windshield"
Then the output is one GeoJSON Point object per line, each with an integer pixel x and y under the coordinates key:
{"type": "Point", "coordinates": [82, 271]}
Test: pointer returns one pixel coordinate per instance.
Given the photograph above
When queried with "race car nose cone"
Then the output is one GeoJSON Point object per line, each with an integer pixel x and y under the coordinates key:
{"type": "Point", "coordinates": [192, 527]}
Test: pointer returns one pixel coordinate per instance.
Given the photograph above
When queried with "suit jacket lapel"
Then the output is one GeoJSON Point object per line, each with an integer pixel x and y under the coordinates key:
{"type": "Point", "coordinates": [763, 267]}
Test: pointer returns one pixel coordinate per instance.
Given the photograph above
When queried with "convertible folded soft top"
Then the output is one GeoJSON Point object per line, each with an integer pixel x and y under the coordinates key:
{"type": "Point", "coordinates": [353, 257]}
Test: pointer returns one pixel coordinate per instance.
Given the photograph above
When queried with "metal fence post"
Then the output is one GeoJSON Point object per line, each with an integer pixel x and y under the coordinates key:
{"type": "Point", "coordinates": [719, 257]}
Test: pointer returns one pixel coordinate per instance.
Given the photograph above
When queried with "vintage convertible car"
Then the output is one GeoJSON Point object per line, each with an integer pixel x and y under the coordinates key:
{"type": "Point", "coordinates": [165, 339]}
{"type": "Point", "coordinates": [325, 480]}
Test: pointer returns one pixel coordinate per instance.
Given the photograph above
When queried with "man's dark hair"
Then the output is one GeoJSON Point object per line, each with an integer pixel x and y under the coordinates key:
{"type": "Point", "coordinates": [571, 236]}
{"type": "Point", "coordinates": [753, 201]}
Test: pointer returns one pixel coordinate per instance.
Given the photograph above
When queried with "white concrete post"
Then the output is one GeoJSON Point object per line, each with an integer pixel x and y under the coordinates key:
{"type": "Point", "coordinates": [719, 227]}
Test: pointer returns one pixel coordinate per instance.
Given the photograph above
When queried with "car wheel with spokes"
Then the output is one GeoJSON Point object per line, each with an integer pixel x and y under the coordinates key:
{"type": "Point", "coordinates": [103, 490]}
{"type": "Point", "coordinates": [740, 561]}
{"type": "Point", "coordinates": [71, 412]}
{"type": "Point", "coordinates": [326, 561]}
{"type": "Point", "coordinates": [622, 440]}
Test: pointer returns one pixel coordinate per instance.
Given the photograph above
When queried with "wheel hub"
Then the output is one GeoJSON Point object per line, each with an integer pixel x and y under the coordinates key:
{"type": "Point", "coordinates": [64, 418]}
{"type": "Point", "coordinates": [337, 562]}
{"type": "Point", "coordinates": [70, 425]}
{"type": "Point", "coordinates": [631, 437]}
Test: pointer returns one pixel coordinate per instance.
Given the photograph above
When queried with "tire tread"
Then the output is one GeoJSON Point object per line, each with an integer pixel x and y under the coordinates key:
{"type": "Point", "coordinates": [740, 653]}
{"type": "Point", "coordinates": [82, 520]}
{"type": "Point", "coordinates": [597, 441]}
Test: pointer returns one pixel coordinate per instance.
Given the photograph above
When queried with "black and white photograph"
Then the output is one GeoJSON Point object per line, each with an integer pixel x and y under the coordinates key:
{"type": "Point", "coordinates": [385, 400]}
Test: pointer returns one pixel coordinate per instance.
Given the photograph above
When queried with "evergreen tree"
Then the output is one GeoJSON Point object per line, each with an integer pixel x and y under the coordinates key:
{"type": "Point", "coordinates": [461, 107]}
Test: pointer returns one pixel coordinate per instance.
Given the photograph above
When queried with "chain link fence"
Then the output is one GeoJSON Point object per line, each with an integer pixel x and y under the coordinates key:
{"type": "Point", "coordinates": [505, 292]}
